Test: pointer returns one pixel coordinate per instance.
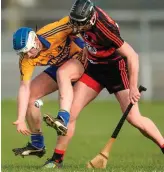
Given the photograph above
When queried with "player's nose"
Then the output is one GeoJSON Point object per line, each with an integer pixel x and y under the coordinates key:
{"type": "Point", "coordinates": [29, 54]}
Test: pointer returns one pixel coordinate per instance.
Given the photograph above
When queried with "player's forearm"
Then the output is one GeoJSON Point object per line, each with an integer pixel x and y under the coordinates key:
{"type": "Point", "coordinates": [23, 99]}
{"type": "Point", "coordinates": [133, 63]}
{"type": "Point", "coordinates": [133, 67]}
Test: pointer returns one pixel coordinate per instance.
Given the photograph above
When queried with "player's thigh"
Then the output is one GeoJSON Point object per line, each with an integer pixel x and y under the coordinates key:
{"type": "Point", "coordinates": [123, 99]}
{"type": "Point", "coordinates": [73, 69]}
{"type": "Point", "coordinates": [83, 95]}
{"type": "Point", "coordinates": [42, 85]}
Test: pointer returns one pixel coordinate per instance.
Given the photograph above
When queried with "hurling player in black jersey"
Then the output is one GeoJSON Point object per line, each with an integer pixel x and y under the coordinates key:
{"type": "Point", "coordinates": [107, 68]}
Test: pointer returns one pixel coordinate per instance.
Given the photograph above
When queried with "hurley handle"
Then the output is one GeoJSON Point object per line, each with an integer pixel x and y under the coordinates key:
{"type": "Point", "coordinates": [124, 116]}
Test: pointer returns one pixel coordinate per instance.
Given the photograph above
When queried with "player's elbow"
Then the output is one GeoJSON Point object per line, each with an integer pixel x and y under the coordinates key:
{"type": "Point", "coordinates": [127, 51]}
{"type": "Point", "coordinates": [136, 56]}
{"type": "Point", "coordinates": [24, 86]}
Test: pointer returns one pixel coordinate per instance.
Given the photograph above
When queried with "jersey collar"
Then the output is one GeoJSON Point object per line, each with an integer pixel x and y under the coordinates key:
{"type": "Point", "coordinates": [44, 41]}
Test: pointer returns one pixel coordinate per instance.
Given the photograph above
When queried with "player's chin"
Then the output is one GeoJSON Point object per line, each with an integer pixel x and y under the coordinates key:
{"type": "Point", "coordinates": [85, 28]}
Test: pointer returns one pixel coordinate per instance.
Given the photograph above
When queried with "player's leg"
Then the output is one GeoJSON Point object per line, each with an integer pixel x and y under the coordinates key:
{"type": "Point", "coordinates": [83, 95]}
{"type": "Point", "coordinates": [144, 124]}
{"type": "Point", "coordinates": [70, 71]}
{"type": "Point", "coordinates": [42, 85]}
{"type": "Point", "coordinates": [85, 91]}
{"type": "Point", "coordinates": [121, 89]}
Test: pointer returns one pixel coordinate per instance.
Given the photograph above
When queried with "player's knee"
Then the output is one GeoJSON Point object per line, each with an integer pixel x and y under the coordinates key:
{"type": "Point", "coordinates": [130, 120]}
{"type": "Point", "coordinates": [65, 73]}
{"type": "Point", "coordinates": [31, 101]}
{"type": "Point", "coordinates": [35, 94]}
{"type": "Point", "coordinates": [61, 73]}
{"type": "Point", "coordinates": [134, 118]}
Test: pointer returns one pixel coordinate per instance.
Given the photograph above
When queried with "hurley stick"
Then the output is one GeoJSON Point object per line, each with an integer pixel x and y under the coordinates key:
{"type": "Point", "coordinates": [100, 161]}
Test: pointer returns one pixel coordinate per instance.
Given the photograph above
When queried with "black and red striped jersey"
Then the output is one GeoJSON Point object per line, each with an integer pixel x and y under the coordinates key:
{"type": "Point", "coordinates": [103, 38]}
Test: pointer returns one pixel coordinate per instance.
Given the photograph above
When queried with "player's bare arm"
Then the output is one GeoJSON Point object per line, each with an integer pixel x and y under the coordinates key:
{"type": "Point", "coordinates": [23, 98]}
{"type": "Point", "coordinates": [27, 50]}
{"type": "Point", "coordinates": [133, 67]}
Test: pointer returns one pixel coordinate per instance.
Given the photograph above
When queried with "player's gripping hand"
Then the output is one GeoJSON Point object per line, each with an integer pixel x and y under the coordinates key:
{"type": "Point", "coordinates": [21, 127]}
{"type": "Point", "coordinates": [134, 95]}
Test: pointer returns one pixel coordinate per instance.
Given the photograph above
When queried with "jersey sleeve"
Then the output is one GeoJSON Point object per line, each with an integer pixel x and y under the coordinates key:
{"type": "Point", "coordinates": [26, 67]}
{"type": "Point", "coordinates": [60, 27]}
{"type": "Point", "coordinates": [78, 40]}
{"type": "Point", "coordinates": [111, 33]}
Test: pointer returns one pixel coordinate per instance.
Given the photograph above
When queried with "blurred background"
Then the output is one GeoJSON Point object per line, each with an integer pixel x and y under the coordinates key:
{"type": "Point", "coordinates": [141, 23]}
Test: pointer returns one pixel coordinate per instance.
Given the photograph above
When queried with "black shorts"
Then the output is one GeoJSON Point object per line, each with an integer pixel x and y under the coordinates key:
{"type": "Point", "coordinates": [112, 76]}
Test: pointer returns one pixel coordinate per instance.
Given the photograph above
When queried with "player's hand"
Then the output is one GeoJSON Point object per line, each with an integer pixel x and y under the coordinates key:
{"type": "Point", "coordinates": [84, 57]}
{"type": "Point", "coordinates": [21, 127]}
{"type": "Point", "coordinates": [134, 95]}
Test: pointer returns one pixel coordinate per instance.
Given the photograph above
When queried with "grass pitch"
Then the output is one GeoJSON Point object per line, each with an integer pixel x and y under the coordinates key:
{"type": "Point", "coordinates": [130, 153]}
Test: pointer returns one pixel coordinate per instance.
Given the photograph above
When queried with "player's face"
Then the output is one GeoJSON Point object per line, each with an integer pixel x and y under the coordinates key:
{"type": "Point", "coordinates": [83, 26]}
{"type": "Point", "coordinates": [33, 52]}
{"type": "Point", "coordinates": [80, 27]}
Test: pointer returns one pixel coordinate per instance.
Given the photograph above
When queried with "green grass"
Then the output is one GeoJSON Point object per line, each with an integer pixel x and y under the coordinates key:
{"type": "Point", "coordinates": [130, 153]}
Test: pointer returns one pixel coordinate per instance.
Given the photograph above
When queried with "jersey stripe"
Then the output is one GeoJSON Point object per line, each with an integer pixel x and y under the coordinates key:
{"type": "Point", "coordinates": [104, 15]}
{"type": "Point", "coordinates": [105, 31]}
{"type": "Point", "coordinates": [108, 33]}
{"type": "Point", "coordinates": [55, 30]}
{"type": "Point", "coordinates": [122, 68]}
{"type": "Point", "coordinates": [60, 30]}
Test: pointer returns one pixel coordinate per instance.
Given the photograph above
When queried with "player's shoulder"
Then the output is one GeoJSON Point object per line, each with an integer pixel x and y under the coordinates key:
{"type": "Point", "coordinates": [24, 60]}
{"type": "Point", "coordinates": [22, 57]}
{"type": "Point", "coordinates": [64, 22]}
{"type": "Point", "coordinates": [104, 16]}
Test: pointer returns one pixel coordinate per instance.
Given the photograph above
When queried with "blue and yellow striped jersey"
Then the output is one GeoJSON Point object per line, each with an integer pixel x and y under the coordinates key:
{"type": "Point", "coordinates": [58, 48]}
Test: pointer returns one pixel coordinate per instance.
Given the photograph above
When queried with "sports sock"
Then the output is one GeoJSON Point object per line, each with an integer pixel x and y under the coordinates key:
{"type": "Point", "coordinates": [64, 115]}
{"type": "Point", "coordinates": [58, 155]}
{"type": "Point", "coordinates": [37, 140]}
